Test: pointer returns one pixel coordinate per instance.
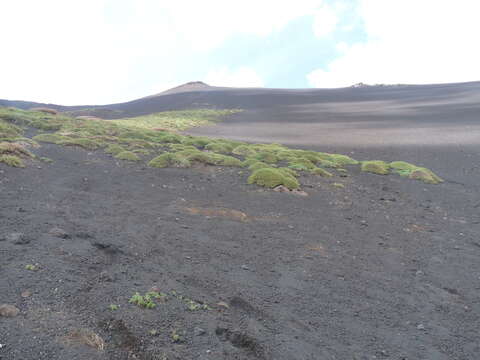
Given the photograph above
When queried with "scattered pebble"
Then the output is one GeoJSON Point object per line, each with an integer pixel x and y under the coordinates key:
{"type": "Point", "coordinates": [26, 294]}
{"type": "Point", "coordinates": [8, 310]}
{"type": "Point", "coordinates": [421, 327]}
{"type": "Point", "coordinates": [17, 238]}
{"type": "Point", "coordinates": [198, 331]}
{"type": "Point", "coordinates": [245, 267]}
{"type": "Point", "coordinates": [58, 232]}
{"type": "Point", "coordinates": [223, 304]}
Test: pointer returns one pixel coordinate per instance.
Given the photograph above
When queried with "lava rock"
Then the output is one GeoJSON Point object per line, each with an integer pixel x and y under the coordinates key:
{"type": "Point", "coordinates": [8, 310]}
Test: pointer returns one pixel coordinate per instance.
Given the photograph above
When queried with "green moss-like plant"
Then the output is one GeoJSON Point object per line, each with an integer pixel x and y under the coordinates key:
{"type": "Point", "coordinates": [415, 172]}
{"type": "Point", "coordinates": [244, 150]}
{"type": "Point", "coordinates": [50, 138]}
{"type": "Point", "coordinates": [114, 149]}
{"type": "Point", "coordinates": [85, 143]}
{"type": "Point", "coordinates": [376, 167]}
{"type": "Point", "coordinates": [127, 155]}
{"type": "Point", "coordinates": [425, 175]}
{"type": "Point", "coordinates": [169, 160]}
{"type": "Point", "coordinates": [301, 164]}
{"type": "Point", "coordinates": [273, 177]}
{"type": "Point", "coordinates": [218, 147]}
{"type": "Point", "coordinates": [147, 300]}
{"type": "Point", "coordinates": [12, 160]}
{"type": "Point", "coordinates": [288, 171]}
{"type": "Point", "coordinates": [259, 165]}
{"type": "Point", "coordinates": [199, 142]}
{"type": "Point", "coordinates": [266, 156]}
{"type": "Point", "coordinates": [341, 160]}
{"type": "Point", "coordinates": [321, 172]}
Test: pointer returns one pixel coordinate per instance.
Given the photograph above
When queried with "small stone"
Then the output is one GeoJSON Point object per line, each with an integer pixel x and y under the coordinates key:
{"type": "Point", "coordinates": [421, 327]}
{"type": "Point", "coordinates": [281, 188]}
{"type": "Point", "coordinates": [8, 310]}
{"type": "Point", "coordinates": [245, 267]}
{"type": "Point", "coordinates": [17, 238]}
{"type": "Point", "coordinates": [198, 331]}
{"type": "Point", "coordinates": [26, 294]}
{"type": "Point", "coordinates": [58, 232]}
{"type": "Point", "coordinates": [299, 192]}
{"type": "Point", "coordinates": [223, 304]}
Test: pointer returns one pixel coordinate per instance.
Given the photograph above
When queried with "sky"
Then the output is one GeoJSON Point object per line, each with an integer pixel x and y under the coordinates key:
{"type": "Point", "coordinates": [108, 51]}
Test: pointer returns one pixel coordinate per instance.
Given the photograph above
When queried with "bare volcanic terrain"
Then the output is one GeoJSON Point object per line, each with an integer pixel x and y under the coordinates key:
{"type": "Point", "coordinates": [357, 266]}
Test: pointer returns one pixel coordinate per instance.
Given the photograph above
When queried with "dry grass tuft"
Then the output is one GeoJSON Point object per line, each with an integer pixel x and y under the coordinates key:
{"type": "Point", "coordinates": [86, 337]}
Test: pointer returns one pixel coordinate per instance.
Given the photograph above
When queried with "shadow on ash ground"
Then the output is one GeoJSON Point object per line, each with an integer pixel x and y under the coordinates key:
{"type": "Point", "coordinates": [384, 268]}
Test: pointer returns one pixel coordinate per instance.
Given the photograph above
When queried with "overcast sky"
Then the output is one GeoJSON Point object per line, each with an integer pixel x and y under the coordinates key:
{"type": "Point", "coordinates": [104, 51]}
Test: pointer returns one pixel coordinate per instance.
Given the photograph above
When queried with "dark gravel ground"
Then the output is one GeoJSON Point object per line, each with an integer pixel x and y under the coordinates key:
{"type": "Point", "coordinates": [384, 268]}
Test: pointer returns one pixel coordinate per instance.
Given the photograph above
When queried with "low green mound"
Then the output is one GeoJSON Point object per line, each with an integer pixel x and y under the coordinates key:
{"type": "Point", "coordinates": [259, 165]}
{"type": "Point", "coordinates": [425, 175]}
{"type": "Point", "coordinates": [50, 138]}
{"type": "Point", "coordinates": [288, 171]}
{"type": "Point", "coordinates": [301, 164]}
{"type": "Point", "coordinates": [415, 172]}
{"type": "Point", "coordinates": [321, 172]}
{"type": "Point", "coordinates": [266, 156]}
{"type": "Point", "coordinates": [273, 177]}
{"type": "Point", "coordinates": [169, 160]}
{"type": "Point", "coordinates": [244, 150]}
{"type": "Point", "coordinates": [218, 147]}
{"type": "Point", "coordinates": [199, 142]}
{"type": "Point", "coordinates": [376, 167]}
{"type": "Point", "coordinates": [127, 155]}
{"type": "Point", "coordinates": [12, 160]}
{"type": "Point", "coordinates": [341, 160]}
{"type": "Point", "coordinates": [114, 149]}
{"type": "Point", "coordinates": [85, 143]}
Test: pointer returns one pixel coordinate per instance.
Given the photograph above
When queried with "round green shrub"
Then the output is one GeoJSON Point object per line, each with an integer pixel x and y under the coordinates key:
{"type": "Point", "coordinates": [269, 177]}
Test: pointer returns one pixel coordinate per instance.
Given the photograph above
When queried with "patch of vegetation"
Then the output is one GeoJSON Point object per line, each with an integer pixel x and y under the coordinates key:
{"type": "Point", "coordinates": [86, 143]}
{"type": "Point", "coordinates": [169, 160]}
{"type": "Point", "coordinates": [12, 160]}
{"type": "Point", "coordinates": [192, 305]}
{"type": "Point", "coordinates": [273, 177]}
{"type": "Point", "coordinates": [425, 175]}
{"type": "Point", "coordinates": [50, 138]}
{"type": "Point", "coordinates": [376, 167]}
{"type": "Point", "coordinates": [259, 165]}
{"type": "Point", "coordinates": [113, 307]}
{"type": "Point", "coordinates": [411, 171]}
{"type": "Point", "coordinates": [267, 157]}
{"type": "Point", "coordinates": [321, 172]}
{"type": "Point", "coordinates": [176, 120]}
{"type": "Point", "coordinates": [31, 267]}
{"type": "Point", "coordinates": [302, 164]}
{"type": "Point", "coordinates": [218, 147]}
{"type": "Point", "coordinates": [114, 149]}
{"type": "Point", "coordinates": [127, 155]}
{"type": "Point", "coordinates": [244, 150]}
{"type": "Point", "coordinates": [176, 337]}
{"type": "Point", "coordinates": [338, 185]}
{"type": "Point", "coordinates": [128, 138]}
{"type": "Point", "coordinates": [45, 159]}
{"type": "Point", "coordinates": [147, 300]}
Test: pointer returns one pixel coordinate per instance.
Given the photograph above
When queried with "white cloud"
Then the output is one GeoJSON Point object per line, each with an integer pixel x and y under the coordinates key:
{"type": "Point", "coordinates": [241, 77]}
{"type": "Point", "coordinates": [409, 41]}
{"type": "Point", "coordinates": [325, 21]}
{"type": "Point", "coordinates": [102, 51]}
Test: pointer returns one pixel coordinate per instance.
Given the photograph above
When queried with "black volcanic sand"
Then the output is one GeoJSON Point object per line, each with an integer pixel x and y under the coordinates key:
{"type": "Point", "coordinates": [384, 268]}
